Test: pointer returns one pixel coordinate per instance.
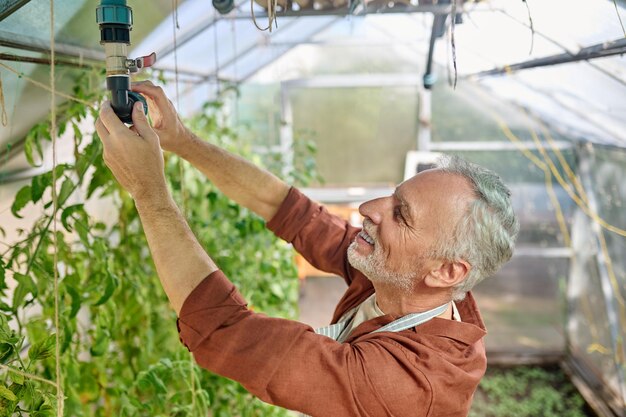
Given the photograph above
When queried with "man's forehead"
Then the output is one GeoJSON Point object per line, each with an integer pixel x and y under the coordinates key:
{"type": "Point", "coordinates": [432, 184]}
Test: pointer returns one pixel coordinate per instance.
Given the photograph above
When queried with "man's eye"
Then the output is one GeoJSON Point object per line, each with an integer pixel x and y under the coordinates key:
{"type": "Point", "coordinates": [397, 214]}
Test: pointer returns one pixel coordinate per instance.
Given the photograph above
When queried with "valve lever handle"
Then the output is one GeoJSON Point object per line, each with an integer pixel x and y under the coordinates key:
{"type": "Point", "coordinates": [146, 61]}
{"type": "Point", "coordinates": [136, 64]}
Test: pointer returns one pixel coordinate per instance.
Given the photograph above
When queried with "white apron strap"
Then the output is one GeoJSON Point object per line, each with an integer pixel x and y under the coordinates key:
{"type": "Point", "coordinates": [410, 320]}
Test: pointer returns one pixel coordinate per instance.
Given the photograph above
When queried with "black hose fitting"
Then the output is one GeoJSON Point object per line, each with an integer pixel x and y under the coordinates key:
{"type": "Point", "coordinates": [115, 19]}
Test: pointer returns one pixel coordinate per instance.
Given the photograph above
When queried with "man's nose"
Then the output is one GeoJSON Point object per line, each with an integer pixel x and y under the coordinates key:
{"type": "Point", "coordinates": [372, 210]}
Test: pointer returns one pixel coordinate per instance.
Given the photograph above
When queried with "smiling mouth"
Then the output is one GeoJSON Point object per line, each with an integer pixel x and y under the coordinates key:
{"type": "Point", "coordinates": [366, 237]}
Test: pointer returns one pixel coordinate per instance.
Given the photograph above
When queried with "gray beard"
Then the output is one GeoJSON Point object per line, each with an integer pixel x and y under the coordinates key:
{"type": "Point", "coordinates": [374, 268]}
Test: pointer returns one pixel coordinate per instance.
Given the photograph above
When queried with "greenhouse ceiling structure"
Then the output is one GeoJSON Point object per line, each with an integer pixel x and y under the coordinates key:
{"type": "Point", "coordinates": [535, 90]}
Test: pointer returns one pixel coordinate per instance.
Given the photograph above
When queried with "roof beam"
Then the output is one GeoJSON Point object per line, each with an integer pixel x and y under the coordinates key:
{"type": "Point", "coordinates": [616, 47]}
{"type": "Point", "coordinates": [275, 58]}
{"type": "Point", "coordinates": [192, 33]}
{"type": "Point", "coordinates": [246, 51]}
{"type": "Point", "coordinates": [426, 8]}
{"type": "Point", "coordinates": [8, 7]}
{"type": "Point", "coordinates": [598, 66]}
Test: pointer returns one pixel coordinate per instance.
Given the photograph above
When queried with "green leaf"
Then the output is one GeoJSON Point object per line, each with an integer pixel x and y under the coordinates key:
{"type": "Point", "coordinates": [6, 334]}
{"type": "Point", "coordinates": [66, 189]}
{"type": "Point", "coordinates": [76, 301]}
{"type": "Point", "coordinates": [69, 327]}
{"type": "Point", "coordinates": [68, 211]}
{"type": "Point", "coordinates": [17, 378]}
{"type": "Point", "coordinates": [112, 283]}
{"type": "Point", "coordinates": [39, 185]}
{"type": "Point", "coordinates": [100, 344]}
{"type": "Point", "coordinates": [25, 286]}
{"type": "Point", "coordinates": [100, 226]}
{"type": "Point", "coordinates": [88, 156]}
{"type": "Point", "coordinates": [23, 197]}
{"type": "Point", "coordinates": [45, 410]}
{"type": "Point", "coordinates": [100, 178]}
{"type": "Point", "coordinates": [277, 290]}
{"type": "Point", "coordinates": [149, 379]}
{"type": "Point", "coordinates": [31, 144]}
{"type": "Point", "coordinates": [6, 351]}
{"type": "Point", "coordinates": [157, 383]}
{"type": "Point", "coordinates": [42, 349]}
{"type": "Point", "coordinates": [7, 393]}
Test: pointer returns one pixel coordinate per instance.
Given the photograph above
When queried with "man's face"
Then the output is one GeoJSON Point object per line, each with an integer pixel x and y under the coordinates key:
{"type": "Point", "coordinates": [400, 231]}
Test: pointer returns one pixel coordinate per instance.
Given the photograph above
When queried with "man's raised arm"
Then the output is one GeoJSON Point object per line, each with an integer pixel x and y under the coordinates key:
{"type": "Point", "coordinates": [241, 180]}
{"type": "Point", "coordinates": [136, 160]}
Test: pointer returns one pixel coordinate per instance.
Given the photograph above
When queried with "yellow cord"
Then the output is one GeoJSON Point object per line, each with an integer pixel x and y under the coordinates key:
{"type": "Point", "coordinates": [541, 165]}
{"type": "Point", "coordinates": [585, 201]}
{"type": "Point", "coordinates": [582, 201]}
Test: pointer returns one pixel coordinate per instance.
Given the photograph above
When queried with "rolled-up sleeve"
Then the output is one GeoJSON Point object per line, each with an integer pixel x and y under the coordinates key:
{"type": "Point", "coordinates": [320, 237]}
{"type": "Point", "coordinates": [283, 362]}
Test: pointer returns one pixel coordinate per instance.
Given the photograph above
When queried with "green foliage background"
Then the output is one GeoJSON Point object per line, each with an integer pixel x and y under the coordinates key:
{"type": "Point", "coordinates": [527, 391]}
{"type": "Point", "coordinates": [120, 353]}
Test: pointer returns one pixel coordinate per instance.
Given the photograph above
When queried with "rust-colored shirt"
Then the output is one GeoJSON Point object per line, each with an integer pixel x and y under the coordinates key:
{"type": "Point", "coordinates": [430, 370]}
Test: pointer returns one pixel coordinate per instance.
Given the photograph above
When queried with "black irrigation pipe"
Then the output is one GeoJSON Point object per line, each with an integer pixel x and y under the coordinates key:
{"type": "Point", "coordinates": [616, 47]}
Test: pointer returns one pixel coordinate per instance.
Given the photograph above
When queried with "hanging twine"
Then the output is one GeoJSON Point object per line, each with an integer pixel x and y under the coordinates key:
{"type": "Point", "coordinates": [45, 87]}
{"type": "Point", "coordinates": [452, 41]}
{"type": "Point", "coordinates": [181, 173]}
{"type": "Point", "coordinates": [271, 15]}
{"type": "Point", "coordinates": [55, 205]}
{"type": "Point", "coordinates": [181, 168]}
{"type": "Point", "coordinates": [3, 116]}
{"type": "Point", "coordinates": [216, 56]}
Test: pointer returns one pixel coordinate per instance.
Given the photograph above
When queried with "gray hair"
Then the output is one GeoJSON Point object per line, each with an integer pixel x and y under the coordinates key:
{"type": "Point", "coordinates": [485, 235]}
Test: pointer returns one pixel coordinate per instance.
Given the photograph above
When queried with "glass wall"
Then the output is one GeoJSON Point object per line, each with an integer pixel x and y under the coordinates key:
{"type": "Point", "coordinates": [597, 312]}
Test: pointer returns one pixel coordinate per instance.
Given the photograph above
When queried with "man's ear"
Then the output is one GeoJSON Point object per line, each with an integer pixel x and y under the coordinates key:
{"type": "Point", "coordinates": [447, 274]}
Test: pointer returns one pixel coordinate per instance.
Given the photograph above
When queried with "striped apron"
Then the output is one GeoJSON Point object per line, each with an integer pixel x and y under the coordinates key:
{"type": "Point", "coordinates": [410, 320]}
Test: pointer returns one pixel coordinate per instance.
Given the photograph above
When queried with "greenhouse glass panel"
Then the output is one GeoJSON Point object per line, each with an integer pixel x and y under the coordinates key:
{"type": "Point", "coordinates": [589, 334]}
{"type": "Point", "coordinates": [373, 139]}
{"type": "Point", "coordinates": [596, 323]}
{"type": "Point", "coordinates": [609, 170]}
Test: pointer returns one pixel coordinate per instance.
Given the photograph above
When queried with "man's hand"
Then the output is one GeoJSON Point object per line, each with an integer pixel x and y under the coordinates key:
{"type": "Point", "coordinates": [133, 155]}
{"type": "Point", "coordinates": [174, 136]}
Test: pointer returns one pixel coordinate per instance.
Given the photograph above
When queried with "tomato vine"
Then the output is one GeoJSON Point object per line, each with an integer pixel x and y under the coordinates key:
{"type": "Point", "coordinates": [120, 353]}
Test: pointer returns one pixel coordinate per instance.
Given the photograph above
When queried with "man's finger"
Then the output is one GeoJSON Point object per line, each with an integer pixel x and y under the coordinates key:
{"type": "Point", "coordinates": [151, 91]}
{"type": "Point", "coordinates": [110, 120]}
{"type": "Point", "coordinates": [103, 133]}
{"type": "Point", "coordinates": [140, 121]}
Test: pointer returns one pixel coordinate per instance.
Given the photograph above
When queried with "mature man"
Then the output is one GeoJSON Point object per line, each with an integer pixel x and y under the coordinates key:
{"type": "Point", "coordinates": [407, 335]}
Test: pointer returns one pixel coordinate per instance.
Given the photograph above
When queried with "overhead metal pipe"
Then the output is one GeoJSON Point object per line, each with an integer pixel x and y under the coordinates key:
{"type": "Point", "coordinates": [44, 61]}
{"type": "Point", "coordinates": [29, 43]}
{"type": "Point", "coordinates": [616, 47]}
{"type": "Point", "coordinates": [8, 7]}
{"type": "Point", "coordinates": [436, 9]}
{"type": "Point", "coordinates": [437, 31]}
